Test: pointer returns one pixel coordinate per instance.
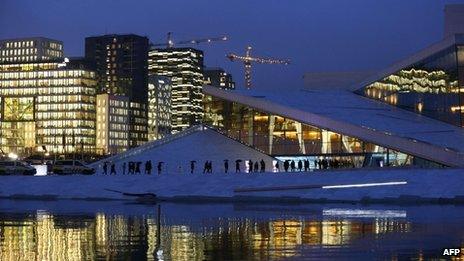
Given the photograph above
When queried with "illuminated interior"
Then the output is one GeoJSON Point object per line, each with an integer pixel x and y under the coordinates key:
{"type": "Point", "coordinates": [47, 104]}
{"type": "Point", "coordinates": [432, 87]}
{"type": "Point", "coordinates": [288, 139]}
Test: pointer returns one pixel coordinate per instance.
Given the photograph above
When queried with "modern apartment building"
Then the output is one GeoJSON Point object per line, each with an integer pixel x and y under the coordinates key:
{"type": "Point", "coordinates": [159, 107]}
{"type": "Point", "coordinates": [34, 49]}
{"type": "Point", "coordinates": [184, 67]}
{"type": "Point", "coordinates": [121, 66]}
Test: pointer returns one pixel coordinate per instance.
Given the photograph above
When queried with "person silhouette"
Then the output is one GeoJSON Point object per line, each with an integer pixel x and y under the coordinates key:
{"type": "Point", "coordinates": [226, 166]}
{"type": "Point", "coordinates": [113, 169]}
{"type": "Point", "coordinates": [192, 166]}
{"type": "Point", "coordinates": [237, 166]}
{"type": "Point", "coordinates": [105, 168]}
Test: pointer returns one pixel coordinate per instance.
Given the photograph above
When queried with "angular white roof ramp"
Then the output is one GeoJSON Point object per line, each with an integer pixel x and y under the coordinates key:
{"type": "Point", "coordinates": [198, 143]}
{"type": "Point", "coordinates": [417, 57]}
{"type": "Point", "coordinates": [353, 115]}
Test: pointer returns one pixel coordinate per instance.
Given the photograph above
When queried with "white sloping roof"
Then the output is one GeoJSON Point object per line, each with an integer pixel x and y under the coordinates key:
{"type": "Point", "coordinates": [198, 144]}
{"type": "Point", "coordinates": [353, 115]}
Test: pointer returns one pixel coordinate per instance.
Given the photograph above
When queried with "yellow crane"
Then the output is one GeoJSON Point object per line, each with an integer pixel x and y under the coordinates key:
{"type": "Point", "coordinates": [247, 60]}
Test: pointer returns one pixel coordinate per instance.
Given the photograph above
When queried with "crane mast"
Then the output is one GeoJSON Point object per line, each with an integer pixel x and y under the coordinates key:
{"type": "Point", "coordinates": [248, 59]}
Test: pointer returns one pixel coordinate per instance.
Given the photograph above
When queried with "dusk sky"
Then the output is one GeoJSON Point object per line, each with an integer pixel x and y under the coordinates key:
{"type": "Point", "coordinates": [317, 35]}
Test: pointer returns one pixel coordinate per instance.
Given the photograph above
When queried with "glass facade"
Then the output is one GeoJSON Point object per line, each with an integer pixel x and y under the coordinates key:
{"type": "Point", "coordinates": [432, 87]}
{"type": "Point", "coordinates": [184, 67]}
{"type": "Point", "coordinates": [46, 105]}
{"type": "Point", "coordinates": [159, 107]}
{"type": "Point", "coordinates": [286, 138]}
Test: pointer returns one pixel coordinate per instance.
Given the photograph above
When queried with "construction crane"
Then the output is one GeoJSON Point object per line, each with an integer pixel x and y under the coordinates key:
{"type": "Point", "coordinates": [248, 59]}
{"type": "Point", "coordinates": [170, 43]}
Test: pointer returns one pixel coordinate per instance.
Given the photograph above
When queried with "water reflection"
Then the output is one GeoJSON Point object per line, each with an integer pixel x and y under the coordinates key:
{"type": "Point", "coordinates": [183, 232]}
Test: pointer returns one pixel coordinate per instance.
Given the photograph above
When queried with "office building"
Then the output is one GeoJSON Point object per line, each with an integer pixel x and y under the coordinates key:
{"type": "Point", "coordinates": [184, 67]}
{"type": "Point", "coordinates": [112, 133]}
{"type": "Point", "coordinates": [121, 66]}
{"type": "Point", "coordinates": [34, 49]}
{"type": "Point", "coordinates": [46, 105]}
{"type": "Point", "coordinates": [159, 107]}
{"type": "Point", "coordinates": [217, 77]}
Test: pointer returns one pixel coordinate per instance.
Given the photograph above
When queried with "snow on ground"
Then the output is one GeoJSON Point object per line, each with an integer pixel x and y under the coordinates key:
{"type": "Point", "coordinates": [424, 183]}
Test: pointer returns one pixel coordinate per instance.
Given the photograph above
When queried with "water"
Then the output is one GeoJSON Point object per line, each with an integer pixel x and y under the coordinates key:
{"type": "Point", "coordinates": [73, 230]}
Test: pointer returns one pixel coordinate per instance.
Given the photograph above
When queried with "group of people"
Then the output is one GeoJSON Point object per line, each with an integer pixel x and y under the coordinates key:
{"type": "Point", "coordinates": [256, 166]}
{"type": "Point", "coordinates": [302, 165]}
{"type": "Point", "coordinates": [133, 167]}
{"type": "Point", "coordinates": [332, 164]}
{"type": "Point", "coordinates": [208, 166]}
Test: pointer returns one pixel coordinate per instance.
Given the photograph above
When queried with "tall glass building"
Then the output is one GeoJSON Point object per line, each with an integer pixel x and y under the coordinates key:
{"type": "Point", "coordinates": [184, 67]}
{"type": "Point", "coordinates": [46, 105]}
{"type": "Point", "coordinates": [121, 66]}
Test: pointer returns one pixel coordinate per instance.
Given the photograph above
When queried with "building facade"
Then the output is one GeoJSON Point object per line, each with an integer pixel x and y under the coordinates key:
{"type": "Point", "coordinates": [46, 105]}
{"type": "Point", "coordinates": [34, 49]}
{"type": "Point", "coordinates": [217, 77]}
{"type": "Point", "coordinates": [159, 107]}
{"type": "Point", "coordinates": [184, 67]}
{"type": "Point", "coordinates": [121, 66]}
{"type": "Point", "coordinates": [112, 133]}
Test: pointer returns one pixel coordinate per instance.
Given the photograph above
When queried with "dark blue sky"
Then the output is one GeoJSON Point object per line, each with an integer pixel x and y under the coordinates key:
{"type": "Point", "coordinates": [317, 35]}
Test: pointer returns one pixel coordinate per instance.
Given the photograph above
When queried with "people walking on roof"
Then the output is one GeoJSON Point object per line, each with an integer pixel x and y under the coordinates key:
{"type": "Point", "coordinates": [105, 168]}
{"type": "Point", "coordinates": [137, 167]}
{"type": "Point", "coordinates": [256, 166]}
{"type": "Point", "coordinates": [324, 163]}
{"type": "Point", "coordinates": [306, 165]}
{"type": "Point", "coordinates": [131, 167]}
{"type": "Point", "coordinates": [192, 166]}
{"type": "Point", "coordinates": [263, 165]}
{"type": "Point", "coordinates": [286, 165]}
{"type": "Point", "coordinates": [113, 169]}
{"type": "Point", "coordinates": [292, 166]}
{"type": "Point", "coordinates": [159, 167]}
{"type": "Point", "coordinates": [276, 166]}
{"type": "Point", "coordinates": [205, 167]}
{"type": "Point", "coordinates": [226, 166]}
{"type": "Point", "coordinates": [148, 167]}
{"type": "Point", "coordinates": [250, 166]}
{"type": "Point", "coordinates": [300, 165]}
{"type": "Point", "coordinates": [237, 166]}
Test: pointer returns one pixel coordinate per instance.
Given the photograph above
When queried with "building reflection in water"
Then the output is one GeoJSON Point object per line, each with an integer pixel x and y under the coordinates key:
{"type": "Point", "coordinates": [43, 236]}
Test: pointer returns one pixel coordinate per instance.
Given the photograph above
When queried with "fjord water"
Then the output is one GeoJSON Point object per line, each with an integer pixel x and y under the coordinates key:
{"type": "Point", "coordinates": [76, 230]}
